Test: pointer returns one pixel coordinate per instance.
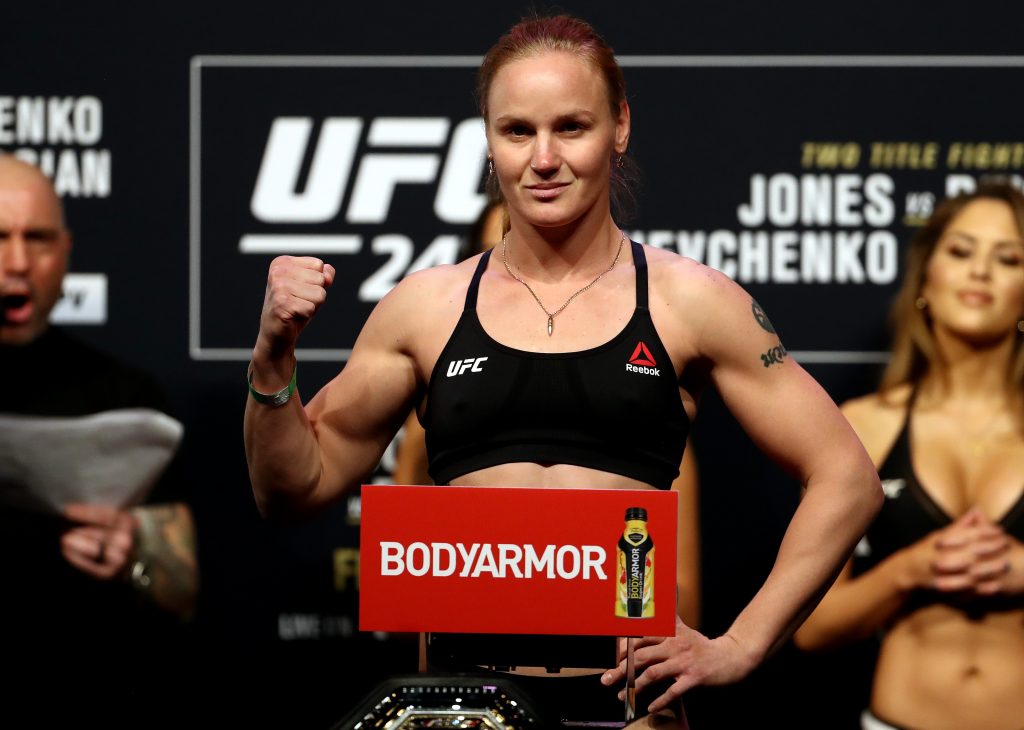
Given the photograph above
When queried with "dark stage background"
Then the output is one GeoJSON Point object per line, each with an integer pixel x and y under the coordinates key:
{"type": "Point", "coordinates": [795, 147]}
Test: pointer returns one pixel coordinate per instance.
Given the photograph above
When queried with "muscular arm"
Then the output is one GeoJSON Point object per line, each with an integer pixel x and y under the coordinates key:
{"type": "Point", "coordinates": [794, 422]}
{"type": "Point", "coordinates": [303, 458]}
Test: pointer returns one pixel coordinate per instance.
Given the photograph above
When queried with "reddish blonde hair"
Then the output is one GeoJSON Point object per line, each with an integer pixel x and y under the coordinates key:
{"type": "Point", "coordinates": [536, 35]}
{"type": "Point", "coordinates": [533, 36]}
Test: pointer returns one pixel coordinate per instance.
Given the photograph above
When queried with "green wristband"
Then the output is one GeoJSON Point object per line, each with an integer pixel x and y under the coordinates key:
{"type": "Point", "coordinates": [273, 399]}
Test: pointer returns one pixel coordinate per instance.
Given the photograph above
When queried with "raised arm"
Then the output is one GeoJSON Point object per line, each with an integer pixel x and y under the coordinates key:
{"type": "Point", "coordinates": [302, 459]}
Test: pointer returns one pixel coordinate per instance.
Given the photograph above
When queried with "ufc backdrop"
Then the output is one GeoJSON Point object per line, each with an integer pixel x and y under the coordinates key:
{"type": "Point", "coordinates": [795, 149]}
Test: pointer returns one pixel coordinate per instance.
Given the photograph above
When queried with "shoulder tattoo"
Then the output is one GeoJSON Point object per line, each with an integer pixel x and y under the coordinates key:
{"type": "Point", "coordinates": [761, 317]}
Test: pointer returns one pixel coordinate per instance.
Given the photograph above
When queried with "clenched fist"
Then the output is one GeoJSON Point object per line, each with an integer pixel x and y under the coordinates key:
{"type": "Point", "coordinates": [296, 287]}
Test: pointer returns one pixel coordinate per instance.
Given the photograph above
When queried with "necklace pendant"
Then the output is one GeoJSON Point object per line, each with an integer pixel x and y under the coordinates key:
{"type": "Point", "coordinates": [551, 317]}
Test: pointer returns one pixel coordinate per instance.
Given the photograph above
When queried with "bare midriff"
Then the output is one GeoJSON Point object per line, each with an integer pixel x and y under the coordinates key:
{"type": "Point", "coordinates": [555, 476]}
{"type": "Point", "coordinates": [939, 668]}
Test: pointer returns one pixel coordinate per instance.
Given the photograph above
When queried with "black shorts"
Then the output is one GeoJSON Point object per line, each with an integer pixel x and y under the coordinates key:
{"type": "Point", "coordinates": [581, 699]}
{"type": "Point", "coordinates": [559, 698]}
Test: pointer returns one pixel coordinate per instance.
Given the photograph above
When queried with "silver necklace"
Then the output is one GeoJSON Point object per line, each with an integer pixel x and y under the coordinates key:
{"type": "Point", "coordinates": [552, 315]}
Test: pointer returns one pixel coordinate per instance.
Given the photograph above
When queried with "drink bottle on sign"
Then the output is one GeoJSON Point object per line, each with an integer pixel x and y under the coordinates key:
{"type": "Point", "coordinates": [635, 573]}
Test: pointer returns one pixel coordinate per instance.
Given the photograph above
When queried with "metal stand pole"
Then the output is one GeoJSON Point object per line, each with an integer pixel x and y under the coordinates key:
{"type": "Point", "coordinates": [630, 682]}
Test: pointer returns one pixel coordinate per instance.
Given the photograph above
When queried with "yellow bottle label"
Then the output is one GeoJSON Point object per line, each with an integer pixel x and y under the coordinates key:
{"type": "Point", "coordinates": [635, 572]}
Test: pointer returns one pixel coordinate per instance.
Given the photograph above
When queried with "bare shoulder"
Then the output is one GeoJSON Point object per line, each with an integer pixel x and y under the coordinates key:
{"type": "Point", "coordinates": [414, 288]}
{"type": "Point", "coordinates": [877, 419]}
{"type": "Point", "coordinates": [721, 318]}
{"type": "Point", "coordinates": [668, 267]}
{"type": "Point", "coordinates": [690, 289]}
{"type": "Point", "coordinates": [876, 407]}
{"type": "Point", "coordinates": [417, 316]}
{"type": "Point", "coordinates": [426, 295]}
{"type": "Point", "coordinates": [686, 281]}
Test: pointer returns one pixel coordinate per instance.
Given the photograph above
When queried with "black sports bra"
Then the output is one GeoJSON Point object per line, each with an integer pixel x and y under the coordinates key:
{"type": "Point", "coordinates": [615, 408]}
{"type": "Point", "coordinates": [909, 514]}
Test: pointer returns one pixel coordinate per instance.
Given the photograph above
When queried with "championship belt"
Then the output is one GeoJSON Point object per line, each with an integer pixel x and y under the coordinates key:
{"type": "Point", "coordinates": [444, 701]}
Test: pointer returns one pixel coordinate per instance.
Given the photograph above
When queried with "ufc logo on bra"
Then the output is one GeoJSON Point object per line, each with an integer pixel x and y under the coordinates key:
{"type": "Point", "coordinates": [472, 364]}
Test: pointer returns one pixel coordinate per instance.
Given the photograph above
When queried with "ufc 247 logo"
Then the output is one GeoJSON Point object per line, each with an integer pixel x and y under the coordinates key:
{"type": "Point", "coordinates": [335, 160]}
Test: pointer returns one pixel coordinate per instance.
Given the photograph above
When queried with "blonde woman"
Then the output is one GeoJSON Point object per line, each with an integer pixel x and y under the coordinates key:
{"type": "Point", "coordinates": [944, 575]}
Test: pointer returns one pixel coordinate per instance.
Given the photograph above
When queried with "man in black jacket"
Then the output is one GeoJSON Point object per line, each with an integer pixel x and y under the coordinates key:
{"type": "Point", "coordinates": [96, 589]}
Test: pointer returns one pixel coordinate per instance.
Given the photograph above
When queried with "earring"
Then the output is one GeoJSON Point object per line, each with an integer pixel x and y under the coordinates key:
{"type": "Point", "coordinates": [620, 161]}
{"type": "Point", "coordinates": [921, 303]}
{"type": "Point", "coordinates": [490, 166]}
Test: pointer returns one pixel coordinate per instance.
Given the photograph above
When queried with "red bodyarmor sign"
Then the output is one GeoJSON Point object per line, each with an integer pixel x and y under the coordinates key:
{"type": "Point", "coordinates": [518, 561]}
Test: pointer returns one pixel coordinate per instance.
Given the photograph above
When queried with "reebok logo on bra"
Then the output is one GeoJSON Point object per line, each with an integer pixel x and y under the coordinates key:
{"type": "Point", "coordinates": [472, 364]}
{"type": "Point", "coordinates": [642, 361]}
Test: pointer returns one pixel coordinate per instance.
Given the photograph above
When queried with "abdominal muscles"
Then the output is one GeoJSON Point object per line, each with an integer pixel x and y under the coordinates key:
{"type": "Point", "coordinates": [939, 668]}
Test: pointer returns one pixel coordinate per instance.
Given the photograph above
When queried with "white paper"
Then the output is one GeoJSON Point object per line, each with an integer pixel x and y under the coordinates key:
{"type": "Point", "coordinates": [112, 458]}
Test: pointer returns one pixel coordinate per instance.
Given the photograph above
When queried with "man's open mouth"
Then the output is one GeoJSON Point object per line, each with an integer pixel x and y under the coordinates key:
{"type": "Point", "coordinates": [16, 308]}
